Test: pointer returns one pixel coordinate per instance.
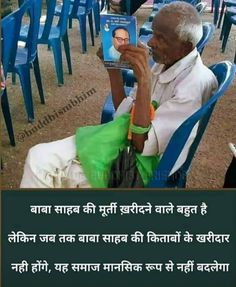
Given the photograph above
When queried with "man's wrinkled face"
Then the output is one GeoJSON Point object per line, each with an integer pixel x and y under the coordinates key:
{"type": "Point", "coordinates": [121, 37]}
{"type": "Point", "coordinates": [166, 46]}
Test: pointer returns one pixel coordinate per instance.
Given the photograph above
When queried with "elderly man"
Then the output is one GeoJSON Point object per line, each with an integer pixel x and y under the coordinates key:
{"type": "Point", "coordinates": [179, 83]}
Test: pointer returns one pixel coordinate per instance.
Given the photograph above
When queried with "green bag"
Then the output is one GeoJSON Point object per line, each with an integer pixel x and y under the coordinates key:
{"type": "Point", "coordinates": [98, 146]}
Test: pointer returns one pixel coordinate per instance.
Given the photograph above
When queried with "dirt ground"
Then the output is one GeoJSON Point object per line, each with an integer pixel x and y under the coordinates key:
{"type": "Point", "coordinates": [212, 158]}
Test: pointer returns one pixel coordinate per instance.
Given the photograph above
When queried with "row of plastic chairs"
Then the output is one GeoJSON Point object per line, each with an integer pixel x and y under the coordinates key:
{"type": "Point", "coordinates": [146, 28]}
{"type": "Point", "coordinates": [33, 34]}
{"type": "Point", "coordinates": [228, 9]}
{"type": "Point", "coordinates": [80, 9]}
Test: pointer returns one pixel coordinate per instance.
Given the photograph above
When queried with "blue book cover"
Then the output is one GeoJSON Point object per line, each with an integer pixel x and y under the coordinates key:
{"type": "Point", "coordinates": [117, 30]}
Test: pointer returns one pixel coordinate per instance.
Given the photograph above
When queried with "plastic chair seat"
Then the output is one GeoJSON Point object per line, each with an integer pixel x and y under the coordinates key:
{"type": "Point", "coordinates": [54, 33]}
{"type": "Point", "coordinates": [58, 10]}
{"type": "Point", "coordinates": [82, 11]}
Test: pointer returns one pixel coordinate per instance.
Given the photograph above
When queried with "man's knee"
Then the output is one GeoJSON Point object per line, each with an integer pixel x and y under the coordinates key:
{"type": "Point", "coordinates": [37, 155]}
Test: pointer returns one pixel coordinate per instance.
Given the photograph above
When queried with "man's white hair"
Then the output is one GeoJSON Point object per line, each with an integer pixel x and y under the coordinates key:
{"type": "Point", "coordinates": [189, 26]}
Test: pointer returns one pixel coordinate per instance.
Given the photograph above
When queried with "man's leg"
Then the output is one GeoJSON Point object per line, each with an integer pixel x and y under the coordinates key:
{"type": "Point", "coordinates": [53, 164]}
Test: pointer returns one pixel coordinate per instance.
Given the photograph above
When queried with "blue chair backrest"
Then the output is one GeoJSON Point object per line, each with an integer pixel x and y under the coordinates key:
{"type": "Point", "coordinates": [33, 10]}
{"type": "Point", "coordinates": [208, 31]}
{"type": "Point", "coordinates": [225, 73]}
{"type": "Point", "coordinates": [8, 29]}
{"type": "Point", "coordinates": [87, 4]}
{"type": "Point", "coordinates": [51, 4]}
{"type": "Point", "coordinates": [63, 18]}
{"type": "Point", "coordinates": [34, 14]}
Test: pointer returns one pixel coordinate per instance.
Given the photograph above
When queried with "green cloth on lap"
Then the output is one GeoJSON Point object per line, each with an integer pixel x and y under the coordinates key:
{"type": "Point", "coordinates": [98, 146]}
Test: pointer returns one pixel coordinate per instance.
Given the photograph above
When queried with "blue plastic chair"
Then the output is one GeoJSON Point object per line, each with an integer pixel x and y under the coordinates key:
{"type": "Point", "coordinates": [96, 13]}
{"type": "Point", "coordinates": [225, 3]}
{"type": "Point", "coordinates": [200, 6]}
{"type": "Point", "coordinates": [225, 73]}
{"type": "Point", "coordinates": [8, 29]}
{"type": "Point", "coordinates": [146, 28]}
{"type": "Point", "coordinates": [229, 20]}
{"type": "Point", "coordinates": [208, 32]}
{"type": "Point", "coordinates": [52, 35]}
{"type": "Point", "coordinates": [23, 57]}
{"type": "Point", "coordinates": [230, 11]}
{"type": "Point", "coordinates": [79, 10]}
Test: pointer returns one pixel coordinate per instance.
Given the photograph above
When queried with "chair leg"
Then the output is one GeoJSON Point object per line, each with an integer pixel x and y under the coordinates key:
{"type": "Point", "coordinates": [216, 12]}
{"type": "Point", "coordinates": [212, 5]}
{"type": "Point", "coordinates": [223, 28]}
{"type": "Point", "coordinates": [67, 51]}
{"type": "Point", "coordinates": [24, 74]}
{"type": "Point", "coordinates": [102, 5]}
{"type": "Point", "coordinates": [221, 14]}
{"type": "Point", "coordinates": [96, 13]}
{"type": "Point", "coordinates": [13, 78]}
{"type": "Point", "coordinates": [7, 117]}
{"type": "Point", "coordinates": [56, 47]}
{"type": "Point", "coordinates": [83, 35]}
{"type": "Point", "coordinates": [228, 25]}
{"type": "Point", "coordinates": [90, 18]}
{"type": "Point", "coordinates": [70, 23]}
{"type": "Point", "coordinates": [38, 78]}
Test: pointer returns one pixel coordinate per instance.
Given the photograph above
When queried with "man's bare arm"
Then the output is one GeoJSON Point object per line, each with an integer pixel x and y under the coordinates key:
{"type": "Point", "coordinates": [138, 58]}
{"type": "Point", "coordinates": [117, 86]}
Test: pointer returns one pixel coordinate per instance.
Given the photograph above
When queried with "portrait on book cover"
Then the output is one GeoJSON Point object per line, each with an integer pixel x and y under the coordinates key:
{"type": "Point", "coordinates": [117, 31]}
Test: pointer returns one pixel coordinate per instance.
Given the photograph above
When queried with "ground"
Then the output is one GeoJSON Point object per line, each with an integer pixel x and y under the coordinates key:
{"type": "Point", "coordinates": [212, 158]}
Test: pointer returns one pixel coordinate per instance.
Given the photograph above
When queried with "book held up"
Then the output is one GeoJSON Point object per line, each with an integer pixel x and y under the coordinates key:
{"type": "Point", "coordinates": [117, 30]}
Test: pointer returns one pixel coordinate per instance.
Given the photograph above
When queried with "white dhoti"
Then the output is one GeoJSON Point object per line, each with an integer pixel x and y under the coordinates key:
{"type": "Point", "coordinates": [54, 165]}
